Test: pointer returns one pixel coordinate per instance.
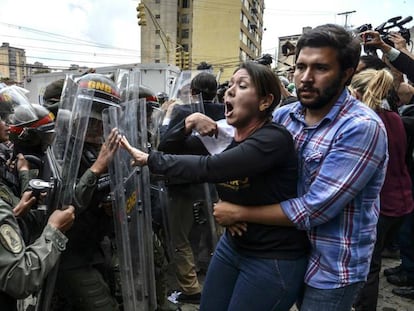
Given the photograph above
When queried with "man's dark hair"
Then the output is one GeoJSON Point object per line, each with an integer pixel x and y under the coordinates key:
{"type": "Point", "coordinates": [373, 61]}
{"type": "Point", "coordinates": [204, 83]}
{"type": "Point", "coordinates": [337, 37]}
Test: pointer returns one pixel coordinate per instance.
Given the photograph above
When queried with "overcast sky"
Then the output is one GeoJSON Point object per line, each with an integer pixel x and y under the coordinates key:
{"type": "Point", "coordinates": [102, 32]}
{"type": "Point", "coordinates": [93, 32]}
{"type": "Point", "coordinates": [283, 18]}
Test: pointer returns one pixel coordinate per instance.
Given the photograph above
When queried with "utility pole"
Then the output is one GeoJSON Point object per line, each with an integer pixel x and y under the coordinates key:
{"type": "Point", "coordinates": [346, 17]}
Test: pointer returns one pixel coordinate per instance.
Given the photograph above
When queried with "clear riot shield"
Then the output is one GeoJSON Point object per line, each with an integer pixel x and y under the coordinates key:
{"type": "Point", "coordinates": [154, 121]}
{"type": "Point", "coordinates": [44, 297]}
{"type": "Point", "coordinates": [132, 206]}
{"type": "Point", "coordinates": [71, 125]}
{"type": "Point", "coordinates": [206, 209]}
{"type": "Point", "coordinates": [181, 85]}
{"type": "Point", "coordinates": [64, 156]}
{"type": "Point", "coordinates": [182, 93]}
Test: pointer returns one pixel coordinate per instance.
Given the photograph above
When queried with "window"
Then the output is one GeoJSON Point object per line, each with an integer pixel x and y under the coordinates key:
{"type": "Point", "coordinates": [245, 20]}
{"type": "Point", "coordinates": [186, 4]}
{"type": "Point", "coordinates": [157, 1]}
{"type": "Point", "coordinates": [185, 19]}
{"type": "Point", "coordinates": [244, 40]}
{"type": "Point", "coordinates": [157, 16]}
{"type": "Point", "coordinates": [243, 55]}
{"type": "Point", "coordinates": [185, 33]}
{"type": "Point", "coordinates": [157, 31]}
{"type": "Point", "coordinates": [157, 47]}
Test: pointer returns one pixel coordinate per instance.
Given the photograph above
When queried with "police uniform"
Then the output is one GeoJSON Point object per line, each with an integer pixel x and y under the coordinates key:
{"type": "Point", "coordinates": [23, 268]}
{"type": "Point", "coordinates": [31, 225]}
{"type": "Point", "coordinates": [80, 281]}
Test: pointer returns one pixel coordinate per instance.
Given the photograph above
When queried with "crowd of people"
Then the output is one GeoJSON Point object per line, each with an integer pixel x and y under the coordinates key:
{"type": "Point", "coordinates": [307, 181]}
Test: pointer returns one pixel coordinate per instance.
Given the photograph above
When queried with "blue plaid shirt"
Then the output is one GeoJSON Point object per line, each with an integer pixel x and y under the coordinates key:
{"type": "Point", "coordinates": [342, 165]}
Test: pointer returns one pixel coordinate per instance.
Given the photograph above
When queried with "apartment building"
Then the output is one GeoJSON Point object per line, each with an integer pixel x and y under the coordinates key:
{"type": "Point", "coordinates": [12, 63]}
{"type": "Point", "coordinates": [188, 32]}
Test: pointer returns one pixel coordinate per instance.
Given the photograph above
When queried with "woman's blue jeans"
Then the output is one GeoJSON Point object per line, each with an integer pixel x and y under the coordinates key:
{"type": "Point", "coordinates": [235, 282]}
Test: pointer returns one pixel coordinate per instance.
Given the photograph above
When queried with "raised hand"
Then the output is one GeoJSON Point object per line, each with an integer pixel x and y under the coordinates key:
{"type": "Point", "coordinates": [139, 157]}
{"type": "Point", "coordinates": [107, 152]}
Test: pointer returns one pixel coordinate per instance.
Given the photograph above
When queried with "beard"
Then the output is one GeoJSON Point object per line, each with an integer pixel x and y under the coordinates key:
{"type": "Point", "coordinates": [325, 96]}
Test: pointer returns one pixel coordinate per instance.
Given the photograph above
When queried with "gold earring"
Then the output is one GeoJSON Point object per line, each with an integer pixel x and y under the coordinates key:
{"type": "Point", "coordinates": [262, 107]}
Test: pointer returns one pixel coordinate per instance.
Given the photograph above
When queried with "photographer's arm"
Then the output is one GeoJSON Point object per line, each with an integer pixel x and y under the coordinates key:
{"type": "Point", "coordinates": [400, 43]}
{"type": "Point", "coordinates": [399, 60]}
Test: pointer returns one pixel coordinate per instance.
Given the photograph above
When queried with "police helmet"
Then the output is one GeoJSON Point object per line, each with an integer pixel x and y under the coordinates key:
{"type": "Point", "coordinates": [32, 134]}
{"type": "Point", "coordinates": [102, 90]}
{"type": "Point", "coordinates": [150, 97]}
{"type": "Point", "coordinates": [12, 97]}
{"type": "Point", "coordinates": [52, 94]}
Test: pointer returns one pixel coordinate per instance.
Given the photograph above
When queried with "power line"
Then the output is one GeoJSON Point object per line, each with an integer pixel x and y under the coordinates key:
{"type": "Point", "coordinates": [64, 43]}
{"type": "Point", "coordinates": [64, 38]}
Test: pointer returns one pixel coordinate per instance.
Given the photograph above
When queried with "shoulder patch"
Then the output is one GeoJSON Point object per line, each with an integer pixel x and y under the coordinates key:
{"type": "Point", "coordinates": [5, 196]}
{"type": "Point", "coordinates": [10, 239]}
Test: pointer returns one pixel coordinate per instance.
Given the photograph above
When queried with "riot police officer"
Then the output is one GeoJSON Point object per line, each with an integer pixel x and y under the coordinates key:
{"type": "Point", "coordinates": [24, 266]}
{"type": "Point", "coordinates": [82, 282]}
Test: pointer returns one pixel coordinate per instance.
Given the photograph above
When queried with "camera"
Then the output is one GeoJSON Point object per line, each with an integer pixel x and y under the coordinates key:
{"type": "Point", "coordinates": [405, 33]}
{"type": "Point", "coordinates": [39, 186]}
{"type": "Point", "coordinates": [395, 22]}
{"type": "Point", "coordinates": [384, 31]}
{"type": "Point", "coordinates": [265, 59]}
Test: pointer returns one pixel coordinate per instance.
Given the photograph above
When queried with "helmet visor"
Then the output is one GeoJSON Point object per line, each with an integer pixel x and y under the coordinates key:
{"type": "Point", "coordinates": [12, 98]}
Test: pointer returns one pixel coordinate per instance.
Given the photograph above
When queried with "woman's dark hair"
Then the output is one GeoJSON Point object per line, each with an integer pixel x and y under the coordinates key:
{"type": "Point", "coordinates": [204, 83]}
{"type": "Point", "coordinates": [337, 37]}
{"type": "Point", "coordinates": [265, 81]}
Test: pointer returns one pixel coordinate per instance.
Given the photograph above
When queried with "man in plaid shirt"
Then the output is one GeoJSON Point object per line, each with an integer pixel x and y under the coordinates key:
{"type": "Point", "coordinates": [342, 149]}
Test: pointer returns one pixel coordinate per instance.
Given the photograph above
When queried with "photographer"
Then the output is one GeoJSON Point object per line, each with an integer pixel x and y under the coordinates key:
{"type": "Point", "coordinates": [400, 60]}
{"type": "Point", "coordinates": [399, 42]}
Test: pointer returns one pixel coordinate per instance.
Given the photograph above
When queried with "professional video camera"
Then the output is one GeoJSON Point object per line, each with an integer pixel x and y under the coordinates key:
{"type": "Point", "coordinates": [383, 29]}
{"type": "Point", "coordinates": [393, 24]}
{"type": "Point", "coordinates": [265, 59]}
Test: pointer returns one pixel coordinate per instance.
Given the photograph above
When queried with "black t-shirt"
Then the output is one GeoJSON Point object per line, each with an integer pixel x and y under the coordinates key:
{"type": "Point", "coordinates": [260, 170]}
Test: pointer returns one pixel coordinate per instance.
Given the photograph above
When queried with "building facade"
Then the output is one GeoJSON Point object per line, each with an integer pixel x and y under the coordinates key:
{"type": "Point", "coordinates": [12, 63]}
{"type": "Point", "coordinates": [188, 32]}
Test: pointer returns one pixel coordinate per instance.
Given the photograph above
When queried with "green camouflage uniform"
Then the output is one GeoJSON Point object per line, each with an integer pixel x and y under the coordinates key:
{"type": "Point", "coordinates": [23, 268]}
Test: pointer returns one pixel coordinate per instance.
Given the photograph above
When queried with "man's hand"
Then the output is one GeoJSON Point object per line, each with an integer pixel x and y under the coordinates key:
{"type": "Point", "coordinates": [398, 40]}
{"type": "Point", "coordinates": [24, 205]}
{"type": "Point", "coordinates": [226, 213]}
{"type": "Point", "coordinates": [22, 163]}
{"type": "Point", "coordinates": [237, 228]}
{"type": "Point", "coordinates": [62, 219]}
{"type": "Point", "coordinates": [107, 153]}
{"type": "Point", "coordinates": [202, 124]}
{"type": "Point", "coordinates": [373, 38]}
{"type": "Point", "coordinates": [400, 43]}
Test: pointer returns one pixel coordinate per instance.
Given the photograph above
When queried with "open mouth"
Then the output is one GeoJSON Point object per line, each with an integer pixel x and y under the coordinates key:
{"type": "Point", "coordinates": [229, 108]}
